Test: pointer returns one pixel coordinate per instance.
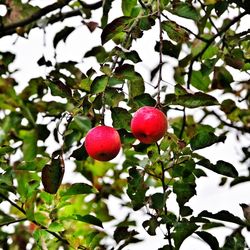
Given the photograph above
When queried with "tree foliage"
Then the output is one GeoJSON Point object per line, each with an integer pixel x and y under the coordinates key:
{"type": "Point", "coordinates": [62, 106]}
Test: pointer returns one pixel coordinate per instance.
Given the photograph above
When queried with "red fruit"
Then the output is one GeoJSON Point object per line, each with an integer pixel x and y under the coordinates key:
{"type": "Point", "coordinates": [149, 124]}
{"type": "Point", "coordinates": [102, 143]}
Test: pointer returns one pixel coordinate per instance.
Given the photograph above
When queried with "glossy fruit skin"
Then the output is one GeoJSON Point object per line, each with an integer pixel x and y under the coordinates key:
{"type": "Point", "coordinates": [149, 124]}
{"type": "Point", "coordinates": [102, 143]}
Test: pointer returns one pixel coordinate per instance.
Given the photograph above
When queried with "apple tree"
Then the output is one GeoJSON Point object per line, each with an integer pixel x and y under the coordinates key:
{"type": "Point", "coordinates": [200, 81]}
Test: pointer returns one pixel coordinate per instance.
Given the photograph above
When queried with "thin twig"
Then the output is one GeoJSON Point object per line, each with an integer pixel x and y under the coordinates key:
{"type": "Point", "coordinates": [35, 222]}
{"type": "Point", "coordinates": [160, 55]}
{"type": "Point", "coordinates": [183, 123]}
{"type": "Point", "coordinates": [12, 222]}
{"type": "Point", "coordinates": [242, 129]}
{"type": "Point", "coordinates": [11, 28]}
{"type": "Point", "coordinates": [164, 189]}
{"type": "Point", "coordinates": [208, 43]}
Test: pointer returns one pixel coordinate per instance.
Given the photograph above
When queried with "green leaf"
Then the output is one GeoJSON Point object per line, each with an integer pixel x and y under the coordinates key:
{"type": "Point", "coordinates": [52, 175]}
{"type": "Point", "coordinates": [135, 84]}
{"type": "Point", "coordinates": [127, 6]}
{"type": "Point", "coordinates": [186, 10]}
{"type": "Point", "coordinates": [106, 6]}
{"type": "Point", "coordinates": [200, 81]}
{"type": "Point", "coordinates": [191, 100]}
{"type": "Point", "coordinates": [151, 225]}
{"type": "Point", "coordinates": [121, 118]}
{"type": "Point", "coordinates": [56, 227]}
{"type": "Point", "coordinates": [205, 139]}
{"type": "Point", "coordinates": [99, 52]}
{"type": "Point", "coordinates": [240, 179]}
{"type": "Point", "coordinates": [88, 218]}
{"type": "Point", "coordinates": [123, 233]}
{"type": "Point", "coordinates": [62, 35]}
{"type": "Point", "coordinates": [78, 188]}
{"type": "Point", "coordinates": [209, 239]}
{"type": "Point", "coordinates": [169, 49]}
{"type": "Point", "coordinates": [235, 241]}
{"type": "Point", "coordinates": [5, 150]}
{"type": "Point", "coordinates": [29, 147]}
{"type": "Point", "coordinates": [182, 231]}
{"type": "Point", "coordinates": [174, 31]}
{"type": "Point", "coordinates": [99, 84]}
{"type": "Point", "coordinates": [115, 27]}
{"type": "Point", "coordinates": [80, 123]}
{"type": "Point", "coordinates": [222, 216]}
{"type": "Point", "coordinates": [222, 78]}
{"type": "Point", "coordinates": [136, 188]}
{"type": "Point", "coordinates": [143, 100]}
{"type": "Point", "coordinates": [35, 165]}
{"type": "Point", "coordinates": [113, 97]}
{"type": "Point", "coordinates": [158, 201]}
{"type": "Point", "coordinates": [221, 167]}
{"type": "Point", "coordinates": [184, 191]}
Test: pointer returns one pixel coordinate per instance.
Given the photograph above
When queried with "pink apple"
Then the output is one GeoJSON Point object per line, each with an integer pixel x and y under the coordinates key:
{"type": "Point", "coordinates": [149, 124]}
{"type": "Point", "coordinates": [102, 143]}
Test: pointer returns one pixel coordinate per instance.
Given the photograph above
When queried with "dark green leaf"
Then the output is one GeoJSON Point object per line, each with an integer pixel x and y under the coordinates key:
{"type": "Point", "coordinates": [222, 216]}
{"type": "Point", "coordinates": [191, 100]}
{"type": "Point", "coordinates": [78, 188]}
{"type": "Point", "coordinates": [209, 239]}
{"type": "Point", "coordinates": [221, 167]}
{"type": "Point", "coordinates": [113, 97]}
{"type": "Point", "coordinates": [144, 100]}
{"type": "Point", "coordinates": [135, 84]}
{"type": "Point", "coordinates": [116, 26]}
{"type": "Point", "coordinates": [186, 10]}
{"type": "Point", "coordinates": [99, 84]}
{"type": "Point", "coordinates": [182, 231]}
{"type": "Point", "coordinates": [222, 78]}
{"type": "Point", "coordinates": [88, 218]}
{"type": "Point", "coordinates": [174, 31]}
{"type": "Point", "coordinates": [136, 188]}
{"type": "Point", "coordinates": [235, 241]}
{"type": "Point", "coordinates": [186, 211]}
{"type": "Point", "coordinates": [205, 139]}
{"type": "Point", "coordinates": [6, 150]}
{"type": "Point", "coordinates": [184, 192]}
{"type": "Point", "coordinates": [240, 179]}
{"type": "Point", "coordinates": [121, 118]}
{"type": "Point", "coordinates": [52, 175]}
{"type": "Point", "coordinates": [106, 6]}
{"type": "Point", "coordinates": [62, 35]}
{"type": "Point", "coordinates": [99, 52]}
{"type": "Point", "coordinates": [158, 201]}
{"type": "Point", "coordinates": [151, 225]}
{"type": "Point", "coordinates": [168, 48]}
{"type": "Point", "coordinates": [123, 233]}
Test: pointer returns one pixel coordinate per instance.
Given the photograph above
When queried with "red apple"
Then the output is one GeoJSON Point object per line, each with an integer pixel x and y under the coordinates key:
{"type": "Point", "coordinates": [102, 143]}
{"type": "Point", "coordinates": [149, 124]}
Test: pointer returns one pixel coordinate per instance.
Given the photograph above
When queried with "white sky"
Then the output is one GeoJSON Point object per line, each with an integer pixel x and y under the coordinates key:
{"type": "Point", "coordinates": [209, 196]}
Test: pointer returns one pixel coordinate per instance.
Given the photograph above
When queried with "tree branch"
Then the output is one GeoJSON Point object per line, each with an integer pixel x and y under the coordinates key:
{"type": "Point", "coordinates": [64, 241]}
{"type": "Point", "coordinates": [242, 129]}
{"type": "Point", "coordinates": [12, 222]}
{"type": "Point", "coordinates": [209, 42]}
{"type": "Point", "coordinates": [11, 28]}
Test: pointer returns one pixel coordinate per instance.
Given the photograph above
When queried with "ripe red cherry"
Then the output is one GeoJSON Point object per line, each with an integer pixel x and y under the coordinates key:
{"type": "Point", "coordinates": [149, 124]}
{"type": "Point", "coordinates": [102, 143]}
